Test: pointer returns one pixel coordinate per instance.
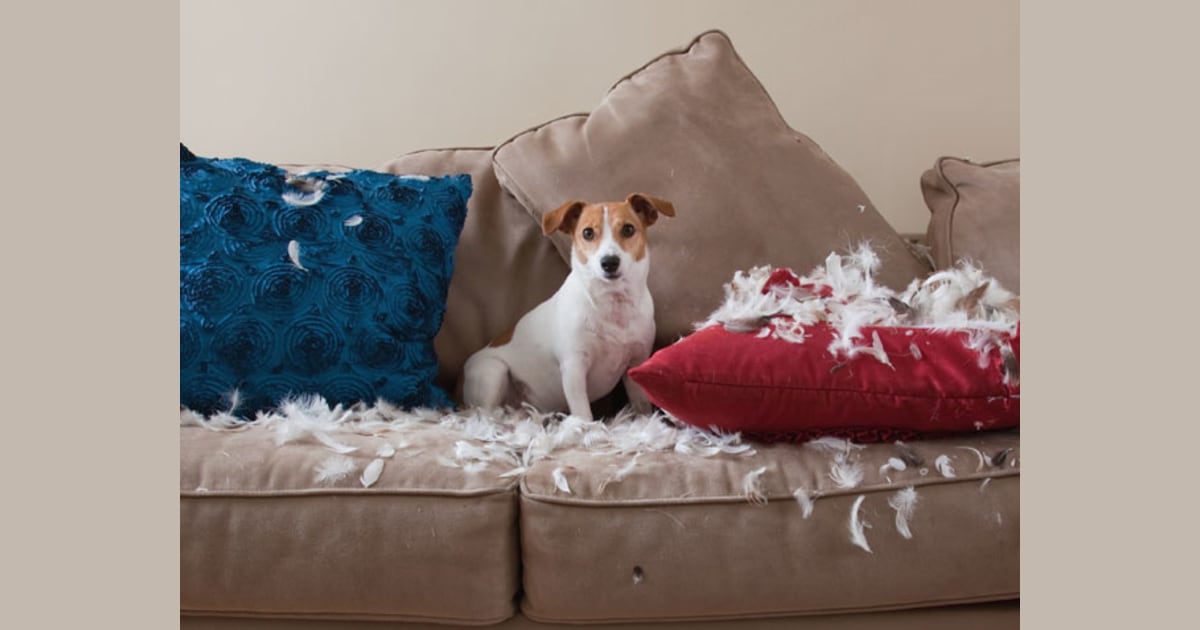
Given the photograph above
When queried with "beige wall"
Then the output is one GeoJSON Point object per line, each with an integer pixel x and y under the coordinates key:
{"type": "Point", "coordinates": [884, 86]}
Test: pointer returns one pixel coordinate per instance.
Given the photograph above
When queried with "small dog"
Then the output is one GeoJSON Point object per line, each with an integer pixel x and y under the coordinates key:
{"type": "Point", "coordinates": [573, 348]}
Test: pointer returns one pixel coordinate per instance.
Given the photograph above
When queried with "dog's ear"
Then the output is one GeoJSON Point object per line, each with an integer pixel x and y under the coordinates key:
{"type": "Point", "coordinates": [562, 218]}
{"type": "Point", "coordinates": [648, 207]}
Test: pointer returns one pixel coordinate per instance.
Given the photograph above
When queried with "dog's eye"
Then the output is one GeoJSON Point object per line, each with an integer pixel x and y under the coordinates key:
{"type": "Point", "coordinates": [627, 230]}
{"type": "Point", "coordinates": [589, 234]}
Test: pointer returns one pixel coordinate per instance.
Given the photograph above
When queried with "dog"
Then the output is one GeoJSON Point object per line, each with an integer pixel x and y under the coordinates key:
{"type": "Point", "coordinates": [576, 346]}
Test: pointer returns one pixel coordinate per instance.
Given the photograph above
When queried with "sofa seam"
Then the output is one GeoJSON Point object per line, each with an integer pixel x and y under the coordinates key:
{"type": "Point", "coordinates": [525, 492]}
{"type": "Point", "coordinates": [344, 492]}
{"type": "Point", "coordinates": [924, 604]}
{"type": "Point", "coordinates": [342, 616]}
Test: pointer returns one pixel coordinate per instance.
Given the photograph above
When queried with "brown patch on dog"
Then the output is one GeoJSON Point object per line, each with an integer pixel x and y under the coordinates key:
{"type": "Point", "coordinates": [562, 218]}
{"type": "Point", "coordinates": [591, 217]}
{"type": "Point", "coordinates": [632, 238]}
{"type": "Point", "coordinates": [649, 207]}
{"type": "Point", "coordinates": [503, 338]}
{"type": "Point", "coordinates": [638, 212]}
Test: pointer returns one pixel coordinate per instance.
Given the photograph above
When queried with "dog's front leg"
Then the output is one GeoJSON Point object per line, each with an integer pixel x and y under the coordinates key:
{"type": "Point", "coordinates": [574, 376]}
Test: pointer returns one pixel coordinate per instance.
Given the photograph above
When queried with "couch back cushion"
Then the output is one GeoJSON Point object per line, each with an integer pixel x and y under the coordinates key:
{"type": "Point", "coordinates": [503, 266]}
{"type": "Point", "coordinates": [695, 127]}
{"type": "Point", "coordinates": [975, 215]}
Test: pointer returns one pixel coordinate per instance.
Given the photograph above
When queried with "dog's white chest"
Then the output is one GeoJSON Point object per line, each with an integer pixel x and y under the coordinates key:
{"type": "Point", "coordinates": [612, 335]}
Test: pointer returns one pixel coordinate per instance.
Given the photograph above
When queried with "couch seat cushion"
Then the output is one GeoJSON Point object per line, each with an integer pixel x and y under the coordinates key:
{"type": "Point", "coordinates": [261, 536]}
{"type": "Point", "coordinates": [685, 538]}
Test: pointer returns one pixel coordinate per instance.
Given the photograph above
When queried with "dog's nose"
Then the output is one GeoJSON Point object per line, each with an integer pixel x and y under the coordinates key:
{"type": "Point", "coordinates": [610, 263]}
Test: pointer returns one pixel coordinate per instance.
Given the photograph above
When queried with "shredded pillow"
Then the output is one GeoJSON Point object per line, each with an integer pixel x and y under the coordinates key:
{"type": "Point", "coordinates": [832, 353]}
{"type": "Point", "coordinates": [315, 283]}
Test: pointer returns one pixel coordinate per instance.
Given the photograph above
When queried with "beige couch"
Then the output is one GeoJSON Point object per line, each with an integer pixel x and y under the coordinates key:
{"type": "Point", "coordinates": [676, 539]}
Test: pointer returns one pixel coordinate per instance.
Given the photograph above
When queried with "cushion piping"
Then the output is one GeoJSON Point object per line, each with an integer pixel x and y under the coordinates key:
{"type": "Point", "coordinates": [527, 493]}
{"type": "Point", "coordinates": [947, 230]}
{"type": "Point", "coordinates": [933, 603]}
{"type": "Point", "coordinates": [361, 492]}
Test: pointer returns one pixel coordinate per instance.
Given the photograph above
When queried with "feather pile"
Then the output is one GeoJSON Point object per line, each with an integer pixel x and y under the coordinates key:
{"type": "Point", "coordinates": [843, 293]}
{"type": "Point", "coordinates": [506, 444]}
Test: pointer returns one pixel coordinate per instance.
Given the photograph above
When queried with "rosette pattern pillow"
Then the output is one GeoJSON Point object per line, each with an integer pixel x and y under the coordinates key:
{"type": "Point", "coordinates": [318, 283]}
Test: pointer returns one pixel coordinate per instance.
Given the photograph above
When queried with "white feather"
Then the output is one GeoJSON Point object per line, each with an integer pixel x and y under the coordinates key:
{"type": "Point", "coordinates": [620, 473]}
{"type": "Point", "coordinates": [332, 444]}
{"type": "Point", "coordinates": [334, 468]}
{"type": "Point", "coordinates": [904, 502]}
{"type": "Point", "coordinates": [857, 535]}
{"type": "Point", "coordinates": [845, 474]}
{"type": "Point", "coordinates": [752, 486]}
{"type": "Point", "coordinates": [560, 480]}
{"type": "Point", "coordinates": [942, 463]}
{"type": "Point", "coordinates": [893, 463]}
{"type": "Point", "coordinates": [293, 250]}
{"type": "Point", "coordinates": [385, 450]}
{"type": "Point", "coordinates": [353, 221]}
{"type": "Point", "coordinates": [805, 501]}
{"type": "Point", "coordinates": [831, 444]}
{"type": "Point", "coordinates": [516, 472]}
{"type": "Point", "coordinates": [978, 453]}
{"type": "Point", "coordinates": [963, 298]}
{"type": "Point", "coordinates": [303, 191]}
{"type": "Point", "coordinates": [983, 485]}
{"type": "Point", "coordinates": [371, 473]}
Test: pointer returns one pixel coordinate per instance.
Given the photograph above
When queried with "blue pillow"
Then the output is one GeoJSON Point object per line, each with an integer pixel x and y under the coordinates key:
{"type": "Point", "coordinates": [326, 283]}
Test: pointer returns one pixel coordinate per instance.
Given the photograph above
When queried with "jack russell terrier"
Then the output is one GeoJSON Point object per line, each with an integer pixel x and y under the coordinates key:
{"type": "Point", "coordinates": [573, 348]}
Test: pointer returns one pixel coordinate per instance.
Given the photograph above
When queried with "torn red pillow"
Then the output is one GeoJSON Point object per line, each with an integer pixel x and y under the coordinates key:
{"type": "Point", "coordinates": [904, 382]}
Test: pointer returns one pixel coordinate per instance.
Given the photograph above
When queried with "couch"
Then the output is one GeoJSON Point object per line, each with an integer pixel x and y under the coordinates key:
{"type": "Point", "coordinates": [637, 521]}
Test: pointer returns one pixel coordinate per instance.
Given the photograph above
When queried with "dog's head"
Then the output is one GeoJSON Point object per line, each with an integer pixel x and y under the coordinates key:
{"type": "Point", "coordinates": [609, 239]}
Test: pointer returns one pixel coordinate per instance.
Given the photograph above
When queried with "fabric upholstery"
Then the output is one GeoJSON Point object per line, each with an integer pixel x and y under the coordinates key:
{"type": "Point", "coordinates": [704, 551]}
{"type": "Point", "coordinates": [503, 265]}
{"type": "Point", "coordinates": [976, 215]}
{"type": "Point", "coordinates": [260, 536]}
{"type": "Point", "coordinates": [695, 127]}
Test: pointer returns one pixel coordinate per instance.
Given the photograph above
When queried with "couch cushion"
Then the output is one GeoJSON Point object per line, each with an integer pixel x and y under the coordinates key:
{"type": "Point", "coordinates": [686, 538]}
{"type": "Point", "coordinates": [261, 536]}
{"type": "Point", "coordinates": [976, 215]}
{"type": "Point", "coordinates": [695, 127]}
{"type": "Point", "coordinates": [326, 283]}
{"type": "Point", "coordinates": [503, 266]}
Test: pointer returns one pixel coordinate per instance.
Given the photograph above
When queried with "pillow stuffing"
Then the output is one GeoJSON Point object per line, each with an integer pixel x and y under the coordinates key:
{"type": "Point", "coordinates": [832, 353]}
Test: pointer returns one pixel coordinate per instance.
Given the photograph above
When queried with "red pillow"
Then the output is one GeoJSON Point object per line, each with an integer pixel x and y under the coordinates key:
{"type": "Point", "coordinates": [933, 382]}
